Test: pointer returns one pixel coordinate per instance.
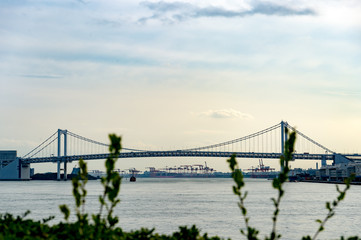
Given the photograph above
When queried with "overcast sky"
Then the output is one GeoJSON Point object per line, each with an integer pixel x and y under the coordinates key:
{"type": "Point", "coordinates": [175, 74]}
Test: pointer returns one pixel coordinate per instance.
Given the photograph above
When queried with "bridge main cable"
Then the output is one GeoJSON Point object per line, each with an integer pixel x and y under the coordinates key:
{"type": "Point", "coordinates": [236, 140]}
{"type": "Point", "coordinates": [99, 143]}
{"type": "Point", "coordinates": [40, 145]}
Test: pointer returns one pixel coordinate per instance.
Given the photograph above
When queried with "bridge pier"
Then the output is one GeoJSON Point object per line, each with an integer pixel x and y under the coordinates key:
{"type": "Point", "coordinates": [65, 153]}
{"type": "Point", "coordinates": [58, 172]}
{"type": "Point", "coordinates": [65, 171]}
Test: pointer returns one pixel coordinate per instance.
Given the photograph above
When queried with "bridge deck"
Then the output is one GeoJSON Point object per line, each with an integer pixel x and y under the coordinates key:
{"type": "Point", "coordinates": [177, 153]}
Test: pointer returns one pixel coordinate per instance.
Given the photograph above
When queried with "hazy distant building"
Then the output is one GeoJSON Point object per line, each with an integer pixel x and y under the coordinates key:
{"type": "Point", "coordinates": [339, 172]}
{"type": "Point", "coordinates": [11, 167]}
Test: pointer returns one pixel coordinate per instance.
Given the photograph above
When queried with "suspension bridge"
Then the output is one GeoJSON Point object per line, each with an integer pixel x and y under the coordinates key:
{"type": "Point", "coordinates": [65, 146]}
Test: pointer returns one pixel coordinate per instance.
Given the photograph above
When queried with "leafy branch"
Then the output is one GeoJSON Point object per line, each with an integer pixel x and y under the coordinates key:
{"type": "Point", "coordinates": [277, 183]}
{"type": "Point", "coordinates": [251, 233]}
{"type": "Point", "coordinates": [331, 207]}
{"type": "Point", "coordinates": [79, 193]}
{"type": "Point", "coordinates": [108, 200]}
{"type": "Point", "coordinates": [111, 182]}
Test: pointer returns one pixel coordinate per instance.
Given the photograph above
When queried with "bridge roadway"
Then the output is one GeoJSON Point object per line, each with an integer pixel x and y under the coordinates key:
{"type": "Point", "coordinates": [177, 153]}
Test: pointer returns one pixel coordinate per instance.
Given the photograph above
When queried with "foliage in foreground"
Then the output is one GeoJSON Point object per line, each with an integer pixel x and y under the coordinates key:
{"type": "Point", "coordinates": [19, 228]}
{"type": "Point", "coordinates": [103, 224]}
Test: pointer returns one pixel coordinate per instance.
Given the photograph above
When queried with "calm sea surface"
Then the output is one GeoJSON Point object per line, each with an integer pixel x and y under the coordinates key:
{"type": "Point", "coordinates": [165, 204]}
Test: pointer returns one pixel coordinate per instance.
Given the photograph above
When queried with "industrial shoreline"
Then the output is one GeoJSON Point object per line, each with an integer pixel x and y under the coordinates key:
{"type": "Point", "coordinates": [331, 174]}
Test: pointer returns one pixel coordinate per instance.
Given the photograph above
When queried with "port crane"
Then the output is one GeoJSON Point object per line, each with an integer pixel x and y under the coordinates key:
{"type": "Point", "coordinates": [261, 168]}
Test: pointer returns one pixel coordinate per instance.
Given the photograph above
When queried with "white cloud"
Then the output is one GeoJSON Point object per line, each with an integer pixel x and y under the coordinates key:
{"type": "Point", "coordinates": [226, 113]}
{"type": "Point", "coordinates": [179, 11]}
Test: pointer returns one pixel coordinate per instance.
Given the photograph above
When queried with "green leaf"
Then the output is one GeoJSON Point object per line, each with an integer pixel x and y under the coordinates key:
{"type": "Point", "coordinates": [115, 144]}
{"type": "Point", "coordinates": [276, 183]}
{"type": "Point", "coordinates": [65, 210]}
{"type": "Point", "coordinates": [244, 211]}
{"type": "Point", "coordinates": [235, 190]}
{"type": "Point", "coordinates": [245, 195]}
{"type": "Point", "coordinates": [232, 162]}
{"type": "Point", "coordinates": [26, 213]}
{"type": "Point", "coordinates": [328, 206]}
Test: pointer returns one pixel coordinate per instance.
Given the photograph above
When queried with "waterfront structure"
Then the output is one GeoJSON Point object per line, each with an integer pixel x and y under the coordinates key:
{"type": "Point", "coordinates": [339, 172]}
{"type": "Point", "coordinates": [11, 167]}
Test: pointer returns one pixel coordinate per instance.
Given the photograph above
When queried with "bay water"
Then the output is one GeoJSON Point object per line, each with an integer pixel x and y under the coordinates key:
{"type": "Point", "coordinates": [165, 204]}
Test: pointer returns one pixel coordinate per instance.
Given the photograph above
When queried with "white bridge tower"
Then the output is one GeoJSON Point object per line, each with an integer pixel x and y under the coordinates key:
{"type": "Point", "coordinates": [60, 133]}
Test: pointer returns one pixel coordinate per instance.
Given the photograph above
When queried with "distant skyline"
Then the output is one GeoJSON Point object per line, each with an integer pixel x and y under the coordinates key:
{"type": "Point", "coordinates": [177, 74]}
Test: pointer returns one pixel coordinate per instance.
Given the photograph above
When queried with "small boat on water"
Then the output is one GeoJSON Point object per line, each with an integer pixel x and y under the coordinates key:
{"type": "Point", "coordinates": [133, 171]}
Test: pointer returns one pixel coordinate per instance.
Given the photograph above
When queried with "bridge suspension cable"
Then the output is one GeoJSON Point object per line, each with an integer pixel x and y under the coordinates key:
{"type": "Point", "coordinates": [309, 139]}
{"type": "Point", "coordinates": [43, 147]}
{"type": "Point", "coordinates": [26, 155]}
